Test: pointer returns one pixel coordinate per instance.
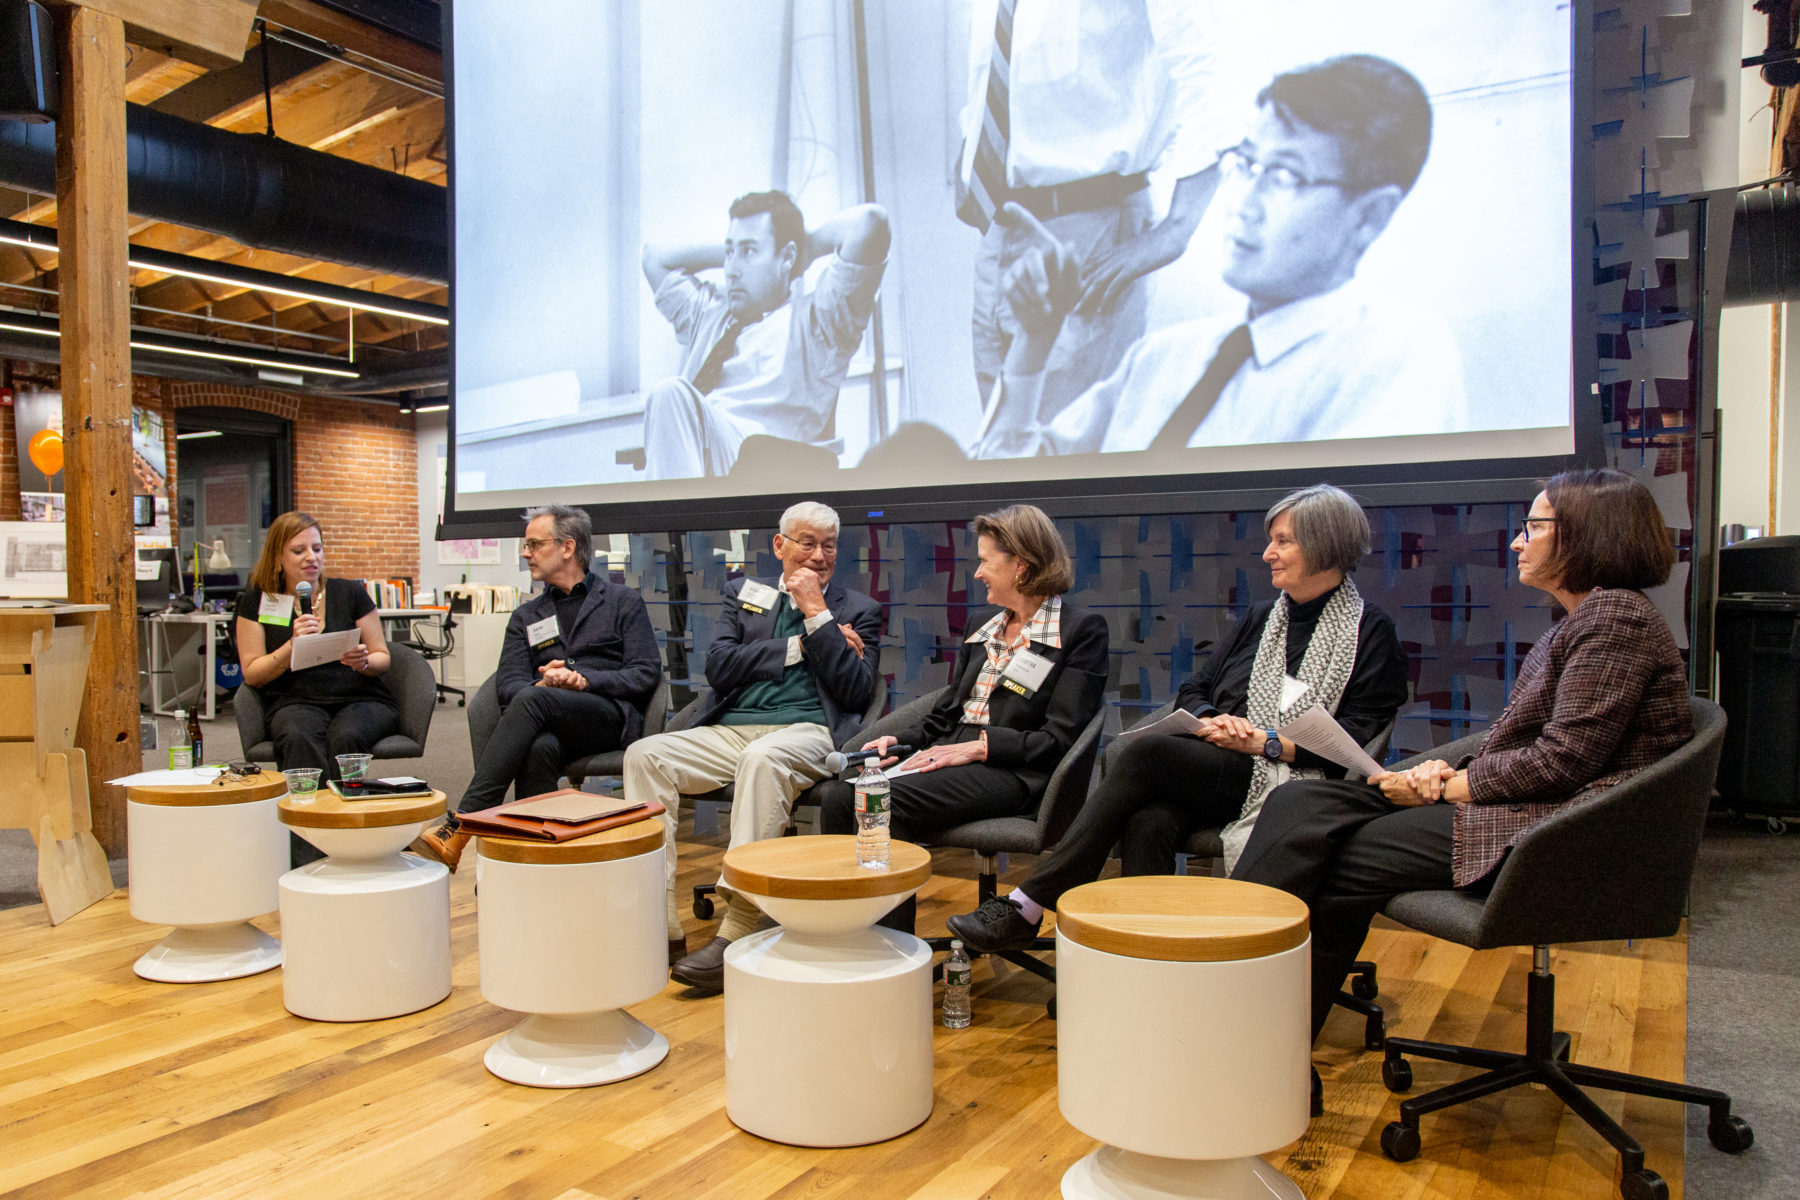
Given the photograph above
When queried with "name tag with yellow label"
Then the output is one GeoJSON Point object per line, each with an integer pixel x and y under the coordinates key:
{"type": "Point", "coordinates": [1026, 673]}
{"type": "Point", "coordinates": [758, 597]}
{"type": "Point", "coordinates": [541, 633]}
{"type": "Point", "coordinates": [275, 610]}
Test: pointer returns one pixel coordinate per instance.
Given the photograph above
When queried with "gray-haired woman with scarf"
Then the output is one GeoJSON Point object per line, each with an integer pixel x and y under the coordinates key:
{"type": "Point", "coordinates": [1318, 642]}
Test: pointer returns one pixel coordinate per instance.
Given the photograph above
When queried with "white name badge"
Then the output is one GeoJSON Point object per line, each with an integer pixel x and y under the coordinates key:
{"type": "Point", "coordinates": [148, 569]}
{"type": "Point", "coordinates": [758, 597]}
{"type": "Point", "coordinates": [1291, 691]}
{"type": "Point", "coordinates": [1026, 673]}
{"type": "Point", "coordinates": [275, 610]}
{"type": "Point", "coordinates": [542, 633]}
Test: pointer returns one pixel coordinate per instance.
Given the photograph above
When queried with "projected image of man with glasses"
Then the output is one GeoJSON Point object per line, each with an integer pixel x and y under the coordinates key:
{"type": "Point", "coordinates": [1330, 154]}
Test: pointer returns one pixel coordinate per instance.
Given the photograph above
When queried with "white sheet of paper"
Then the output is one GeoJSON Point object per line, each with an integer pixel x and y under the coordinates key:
{"type": "Point", "coordinates": [1179, 721]}
{"type": "Point", "coordinates": [194, 775]}
{"type": "Point", "coordinates": [317, 649]}
{"type": "Point", "coordinates": [1316, 730]}
{"type": "Point", "coordinates": [1291, 690]}
{"type": "Point", "coordinates": [897, 770]}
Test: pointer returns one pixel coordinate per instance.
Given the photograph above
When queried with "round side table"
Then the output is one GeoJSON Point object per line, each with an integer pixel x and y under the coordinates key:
{"type": "Point", "coordinates": [204, 858]}
{"type": "Point", "coordinates": [1182, 1035]}
{"type": "Point", "coordinates": [367, 928]}
{"type": "Point", "coordinates": [827, 1021]}
{"type": "Point", "coordinates": [569, 935]}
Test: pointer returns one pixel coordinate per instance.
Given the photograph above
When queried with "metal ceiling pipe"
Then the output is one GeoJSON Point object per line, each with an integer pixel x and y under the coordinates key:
{"type": "Point", "coordinates": [261, 191]}
{"type": "Point", "coordinates": [1764, 265]}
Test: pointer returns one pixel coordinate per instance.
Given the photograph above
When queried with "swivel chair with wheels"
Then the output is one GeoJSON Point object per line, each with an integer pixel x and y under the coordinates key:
{"type": "Point", "coordinates": [435, 640]}
{"type": "Point", "coordinates": [1613, 867]}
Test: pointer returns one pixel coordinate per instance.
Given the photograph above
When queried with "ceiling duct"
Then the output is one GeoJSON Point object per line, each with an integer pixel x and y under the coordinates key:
{"type": "Point", "coordinates": [260, 191]}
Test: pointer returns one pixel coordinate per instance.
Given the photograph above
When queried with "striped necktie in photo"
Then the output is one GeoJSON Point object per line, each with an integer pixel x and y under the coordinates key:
{"type": "Point", "coordinates": [987, 181]}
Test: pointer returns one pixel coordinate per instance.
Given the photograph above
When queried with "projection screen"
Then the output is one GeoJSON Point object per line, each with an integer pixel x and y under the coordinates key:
{"type": "Point", "coordinates": [1209, 251]}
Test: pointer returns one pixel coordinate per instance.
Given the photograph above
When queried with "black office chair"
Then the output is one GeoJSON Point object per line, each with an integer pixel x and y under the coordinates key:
{"type": "Point", "coordinates": [704, 892]}
{"type": "Point", "coordinates": [1063, 797]}
{"type": "Point", "coordinates": [1613, 867]}
{"type": "Point", "coordinates": [434, 638]}
{"type": "Point", "coordinates": [484, 715]}
{"type": "Point", "coordinates": [1210, 843]}
{"type": "Point", "coordinates": [409, 679]}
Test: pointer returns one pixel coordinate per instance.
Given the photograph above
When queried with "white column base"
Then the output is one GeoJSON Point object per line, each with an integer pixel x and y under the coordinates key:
{"type": "Point", "coordinates": [1110, 1173]}
{"type": "Point", "coordinates": [828, 1039]}
{"type": "Point", "coordinates": [365, 939]}
{"type": "Point", "coordinates": [209, 953]}
{"type": "Point", "coordinates": [576, 1051]}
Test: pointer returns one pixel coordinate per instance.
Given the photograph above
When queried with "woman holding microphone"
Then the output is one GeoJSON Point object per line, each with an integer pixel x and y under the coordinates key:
{"type": "Point", "coordinates": [320, 712]}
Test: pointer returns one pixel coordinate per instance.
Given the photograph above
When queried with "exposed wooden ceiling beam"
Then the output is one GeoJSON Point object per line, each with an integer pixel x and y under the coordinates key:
{"type": "Point", "coordinates": [303, 16]}
{"type": "Point", "coordinates": [212, 33]}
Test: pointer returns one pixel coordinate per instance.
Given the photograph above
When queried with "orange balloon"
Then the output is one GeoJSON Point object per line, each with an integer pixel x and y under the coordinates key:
{"type": "Point", "coordinates": [46, 451]}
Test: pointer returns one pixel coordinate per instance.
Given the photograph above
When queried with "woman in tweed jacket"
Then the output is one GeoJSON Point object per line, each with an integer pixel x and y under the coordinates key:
{"type": "Point", "coordinates": [1601, 696]}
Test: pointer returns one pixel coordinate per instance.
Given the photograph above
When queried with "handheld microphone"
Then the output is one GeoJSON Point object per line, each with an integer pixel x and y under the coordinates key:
{"type": "Point", "coordinates": [303, 596]}
{"type": "Point", "coordinates": [837, 760]}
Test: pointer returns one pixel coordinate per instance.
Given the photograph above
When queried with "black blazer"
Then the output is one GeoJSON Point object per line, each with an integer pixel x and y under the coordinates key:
{"type": "Point", "coordinates": [746, 651]}
{"type": "Point", "coordinates": [1029, 735]}
{"type": "Point", "coordinates": [610, 642]}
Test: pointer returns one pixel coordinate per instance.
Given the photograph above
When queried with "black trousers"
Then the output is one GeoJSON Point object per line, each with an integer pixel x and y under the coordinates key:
{"type": "Point", "coordinates": [313, 735]}
{"type": "Point", "coordinates": [542, 729]}
{"type": "Point", "coordinates": [926, 804]}
{"type": "Point", "coordinates": [1346, 850]}
{"type": "Point", "coordinates": [1158, 789]}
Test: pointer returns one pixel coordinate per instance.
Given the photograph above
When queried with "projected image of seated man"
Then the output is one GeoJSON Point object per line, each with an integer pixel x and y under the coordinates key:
{"type": "Point", "coordinates": [762, 354]}
{"type": "Point", "coordinates": [1332, 151]}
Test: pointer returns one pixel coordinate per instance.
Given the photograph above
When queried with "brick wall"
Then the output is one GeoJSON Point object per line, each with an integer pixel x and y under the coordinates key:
{"type": "Point", "coordinates": [355, 464]}
{"type": "Point", "coordinates": [355, 469]}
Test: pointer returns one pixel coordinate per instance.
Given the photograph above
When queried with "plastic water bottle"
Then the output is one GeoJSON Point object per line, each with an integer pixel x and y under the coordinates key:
{"type": "Point", "coordinates": [872, 817]}
{"type": "Point", "coordinates": [957, 970]}
{"type": "Point", "coordinates": [181, 748]}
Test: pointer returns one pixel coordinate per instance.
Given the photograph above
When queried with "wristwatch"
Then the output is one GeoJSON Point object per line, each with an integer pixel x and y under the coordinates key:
{"type": "Point", "coordinates": [1272, 746]}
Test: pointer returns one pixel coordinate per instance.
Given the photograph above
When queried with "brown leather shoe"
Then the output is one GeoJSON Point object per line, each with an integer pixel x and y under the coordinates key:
{"type": "Point", "coordinates": [445, 843]}
{"type": "Point", "coordinates": [704, 969]}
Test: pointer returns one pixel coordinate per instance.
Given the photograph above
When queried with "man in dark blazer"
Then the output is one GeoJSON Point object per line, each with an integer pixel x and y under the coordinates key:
{"type": "Point", "coordinates": [577, 668]}
{"type": "Point", "coordinates": [789, 676]}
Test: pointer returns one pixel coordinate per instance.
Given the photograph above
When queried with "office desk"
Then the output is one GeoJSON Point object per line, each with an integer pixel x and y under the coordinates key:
{"type": "Point", "coordinates": [160, 660]}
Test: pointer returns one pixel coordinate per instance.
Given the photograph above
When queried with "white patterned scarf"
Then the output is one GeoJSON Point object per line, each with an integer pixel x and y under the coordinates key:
{"type": "Point", "coordinates": [1324, 668]}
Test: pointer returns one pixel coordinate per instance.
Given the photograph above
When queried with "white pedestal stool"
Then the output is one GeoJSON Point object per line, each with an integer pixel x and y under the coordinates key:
{"type": "Point", "coordinates": [205, 858]}
{"type": "Point", "coordinates": [827, 1021]}
{"type": "Point", "coordinates": [1182, 1036]}
{"type": "Point", "coordinates": [367, 928]}
{"type": "Point", "coordinates": [571, 932]}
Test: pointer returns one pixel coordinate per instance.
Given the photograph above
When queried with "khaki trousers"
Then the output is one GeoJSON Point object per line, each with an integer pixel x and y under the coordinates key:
{"type": "Point", "coordinates": [770, 764]}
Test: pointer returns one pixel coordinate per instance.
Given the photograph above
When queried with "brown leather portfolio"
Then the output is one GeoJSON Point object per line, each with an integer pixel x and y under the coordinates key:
{"type": "Point", "coordinates": [504, 822]}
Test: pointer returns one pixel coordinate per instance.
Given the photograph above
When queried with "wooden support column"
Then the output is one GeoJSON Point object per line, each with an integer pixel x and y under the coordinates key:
{"type": "Point", "coordinates": [96, 396]}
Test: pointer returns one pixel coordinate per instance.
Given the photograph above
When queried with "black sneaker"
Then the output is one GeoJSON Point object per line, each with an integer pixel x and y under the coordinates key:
{"type": "Point", "coordinates": [997, 925]}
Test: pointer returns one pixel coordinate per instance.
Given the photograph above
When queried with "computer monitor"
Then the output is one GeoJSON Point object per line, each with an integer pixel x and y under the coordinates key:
{"type": "Point", "coordinates": [153, 593]}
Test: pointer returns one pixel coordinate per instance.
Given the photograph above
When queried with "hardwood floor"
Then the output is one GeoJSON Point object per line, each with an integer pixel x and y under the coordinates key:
{"type": "Point", "coordinates": [111, 1086]}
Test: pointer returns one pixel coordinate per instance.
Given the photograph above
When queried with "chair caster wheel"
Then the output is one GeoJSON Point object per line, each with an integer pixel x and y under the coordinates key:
{"type": "Point", "coordinates": [1374, 1033]}
{"type": "Point", "coordinates": [1643, 1185]}
{"type": "Point", "coordinates": [1732, 1135]}
{"type": "Point", "coordinates": [1400, 1142]}
{"type": "Point", "coordinates": [1050, 1011]}
{"type": "Point", "coordinates": [1364, 988]}
{"type": "Point", "coordinates": [703, 908]}
{"type": "Point", "coordinates": [1397, 1074]}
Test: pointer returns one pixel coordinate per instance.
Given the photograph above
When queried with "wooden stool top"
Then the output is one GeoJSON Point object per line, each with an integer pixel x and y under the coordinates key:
{"type": "Point", "coordinates": [1178, 918]}
{"type": "Point", "coordinates": [621, 841]}
{"type": "Point", "coordinates": [264, 786]}
{"type": "Point", "coordinates": [328, 810]}
{"type": "Point", "coordinates": [822, 868]}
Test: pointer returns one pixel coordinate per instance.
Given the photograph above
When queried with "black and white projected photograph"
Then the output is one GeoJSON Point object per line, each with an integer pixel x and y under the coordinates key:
{"type": "Point", "coordinates": [873, 243]}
